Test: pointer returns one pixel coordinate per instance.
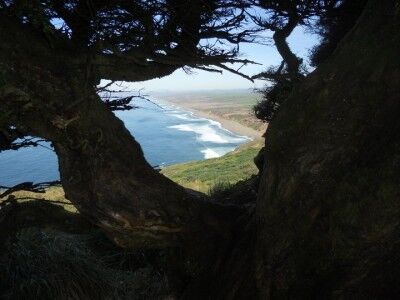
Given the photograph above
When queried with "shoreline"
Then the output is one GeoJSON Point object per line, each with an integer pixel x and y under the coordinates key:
{"type": "Point", "coordinates": [233, 126]}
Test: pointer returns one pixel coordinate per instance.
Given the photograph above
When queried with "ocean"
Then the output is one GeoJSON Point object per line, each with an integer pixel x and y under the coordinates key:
{"type": "Point", "coordinates": [168, 135]}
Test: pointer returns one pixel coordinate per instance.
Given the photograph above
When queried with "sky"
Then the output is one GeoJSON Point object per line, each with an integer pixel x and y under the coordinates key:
{"type": "Point", "coordinates": [300, 42]}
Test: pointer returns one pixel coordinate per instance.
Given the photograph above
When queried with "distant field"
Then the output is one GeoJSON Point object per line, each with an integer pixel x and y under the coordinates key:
{"type": "Point", "coordinates": [230, 168]}
{"type": "Point", "coordinates": [233, 105]}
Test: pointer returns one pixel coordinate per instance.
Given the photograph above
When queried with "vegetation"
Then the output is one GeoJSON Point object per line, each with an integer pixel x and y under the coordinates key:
{"type": "Point", "coordinates": [335, 19]}
{"type": "Point", "coordinates": [324, 223]}
{"type": "Point", "coordinates": [283, 18]}
{"type": "Point", "coordinates": [211, 174]}
{"type": "Point", "coordinates": [54, 55]}
{"type": "Point", "coordinates": [51, 253]}
{"type": "Point", "coordinates": [54, 194]}
{"type": "Point", "coordinates": [205, 176]}
{"type": "Point", "coordinates": [327, 193]}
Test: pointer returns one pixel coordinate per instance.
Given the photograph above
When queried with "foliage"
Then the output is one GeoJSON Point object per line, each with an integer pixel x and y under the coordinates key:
{"type": "Point", "coordinates": [274, 96]}
{"type": "Point", "coordinates": [282, 17]}
{"type": "Point", "coordinates": [115, 40]}
{"type": "Point", "coordinates": [331, 19]}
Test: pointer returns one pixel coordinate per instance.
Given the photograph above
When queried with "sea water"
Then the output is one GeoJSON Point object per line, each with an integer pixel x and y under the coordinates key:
{"type": "Point", "coordinates": [167, 134]}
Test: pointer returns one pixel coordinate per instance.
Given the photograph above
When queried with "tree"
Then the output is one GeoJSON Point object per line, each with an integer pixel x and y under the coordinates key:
{"type": "Point", "coordinates": [54, 54]}
{"type": "Point", "coordinates": [282, 17]}
{"type": "Point", "coordinates": [328, 199]}
{"type": "Point", "coordinates": [310, 233]}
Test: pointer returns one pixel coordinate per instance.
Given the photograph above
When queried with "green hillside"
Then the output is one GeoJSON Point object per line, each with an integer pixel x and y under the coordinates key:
{"type": "Point", "coordinates": [228, 169]}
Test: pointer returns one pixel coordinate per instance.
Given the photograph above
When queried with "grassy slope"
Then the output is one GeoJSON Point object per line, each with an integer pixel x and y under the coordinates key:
{"type": "Point", "coordinates": [230, 168]}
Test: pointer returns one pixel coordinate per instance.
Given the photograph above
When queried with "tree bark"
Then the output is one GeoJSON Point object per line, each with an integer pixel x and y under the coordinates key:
{"type": "Point", "coordinates": [328, 209]}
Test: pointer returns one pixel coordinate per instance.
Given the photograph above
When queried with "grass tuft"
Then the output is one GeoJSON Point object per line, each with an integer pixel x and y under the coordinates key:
{"type": "Point", "coordinates": [44, 264]}
{"type": "Point", "coordinates": [219, 189]}
{"type": "Point", "coordinates": [50, 258]}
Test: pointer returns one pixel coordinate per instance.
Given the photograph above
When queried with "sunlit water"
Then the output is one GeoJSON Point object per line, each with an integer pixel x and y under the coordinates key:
{"type": "Point", "coordinates": [168, 135]}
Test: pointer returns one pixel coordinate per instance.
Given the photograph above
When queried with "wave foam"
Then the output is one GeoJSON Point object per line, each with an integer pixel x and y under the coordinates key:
{"type": "Point", "coordinates": [206, 133]}
{"type": "Point", "coordinates": [181, 116]}
{"type": "Point", "coordinates": [209, 153]}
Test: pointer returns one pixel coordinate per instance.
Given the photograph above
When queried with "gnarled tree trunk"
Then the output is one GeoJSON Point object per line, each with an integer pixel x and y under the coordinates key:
{"type": "Point", "coordinates": [104, 173]}
{"type": "Point", "coordinates": [327, 212]}
{"type": "Point", "coordinates": [328, 208]}
{"type": "Point", "coordinates": [103, 170]}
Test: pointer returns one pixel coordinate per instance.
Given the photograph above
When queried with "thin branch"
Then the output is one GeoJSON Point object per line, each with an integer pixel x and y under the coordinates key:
{"type": "Point", "coordinates": [235, 72]}
{"type": "Point", "coordinates": [207, 69]}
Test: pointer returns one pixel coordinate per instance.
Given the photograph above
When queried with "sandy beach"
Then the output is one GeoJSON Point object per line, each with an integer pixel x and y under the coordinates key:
{"type": "Point", "coordinates": [231, 125]}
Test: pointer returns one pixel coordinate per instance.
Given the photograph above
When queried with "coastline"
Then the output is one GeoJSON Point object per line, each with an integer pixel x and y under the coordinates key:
{"type": "Point", "coordinates": [230, 125]}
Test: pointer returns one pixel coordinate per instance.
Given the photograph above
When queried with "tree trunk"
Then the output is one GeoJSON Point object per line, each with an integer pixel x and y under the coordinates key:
{"type": "Point", "coordinates": [328, 208]}
{"type": "Point", "coordinates": [103, 170]}
{"type": "Point", "coordinates": [104, 173]}
{"type": "Point", "coordinates": [327, 212]}
{"type": "Point", "coordinates": [280, 38]}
